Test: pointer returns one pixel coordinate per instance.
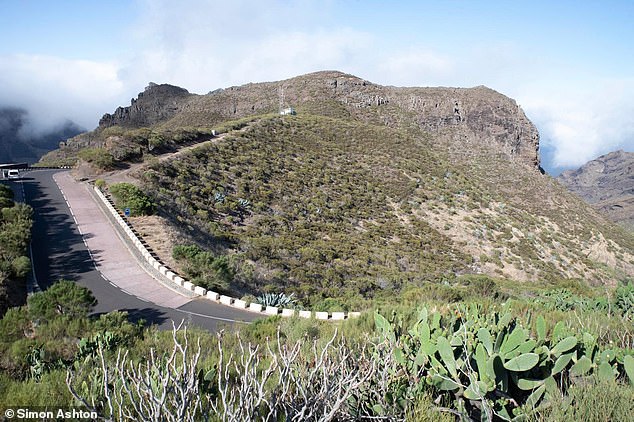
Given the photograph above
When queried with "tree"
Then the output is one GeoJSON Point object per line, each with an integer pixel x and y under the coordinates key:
{"type": "Point", "coordinates": [62, 298]}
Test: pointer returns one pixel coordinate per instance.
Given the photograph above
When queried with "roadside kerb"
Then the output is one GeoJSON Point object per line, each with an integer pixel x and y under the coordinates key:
{"type": "Point", "coordinates": [180, 283]}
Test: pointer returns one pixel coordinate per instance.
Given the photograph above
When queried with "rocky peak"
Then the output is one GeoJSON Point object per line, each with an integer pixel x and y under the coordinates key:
{"type": "Point", "coordinates": [468, 118]}
{"type": "Point", "coordinates": [155, 103]}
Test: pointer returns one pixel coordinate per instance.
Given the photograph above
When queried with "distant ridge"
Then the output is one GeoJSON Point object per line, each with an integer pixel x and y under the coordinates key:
{"type": "Point", "coordinates": [607, 183]}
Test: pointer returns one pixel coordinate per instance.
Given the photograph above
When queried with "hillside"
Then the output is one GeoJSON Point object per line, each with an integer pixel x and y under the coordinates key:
{"type": "Point", "coordinates": [20, 144]}
{"type": "Point", "coordinates": [608, 184]}
{"type": "Point", "coordinates": [366, 191]}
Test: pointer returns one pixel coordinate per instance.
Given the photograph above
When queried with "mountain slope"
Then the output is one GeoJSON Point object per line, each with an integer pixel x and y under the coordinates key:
{"type": "Point", "coordinates": [366, 191]}
{"type": "Point", "coordinates": [607, 183]}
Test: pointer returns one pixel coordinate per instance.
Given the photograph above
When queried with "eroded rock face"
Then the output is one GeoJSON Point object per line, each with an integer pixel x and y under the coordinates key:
{"type": "Point", "coordinates": [607, 183]}
{"type": "Point", "coordinates": [156, 103]}
{"type": "Point", "coordinates": [468, 117]}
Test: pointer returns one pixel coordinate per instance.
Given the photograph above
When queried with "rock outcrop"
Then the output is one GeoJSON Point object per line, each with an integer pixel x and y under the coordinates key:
{"type": "Point", "coordinates": [464, 116]}
{"type": "Point", "coordinates": [607, 183]}
{"type": "Point", "coordinates": [155, 104]}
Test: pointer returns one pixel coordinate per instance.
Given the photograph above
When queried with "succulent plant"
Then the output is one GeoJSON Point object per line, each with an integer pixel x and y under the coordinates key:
{"type": "Point", "coordinates": [491, 364]}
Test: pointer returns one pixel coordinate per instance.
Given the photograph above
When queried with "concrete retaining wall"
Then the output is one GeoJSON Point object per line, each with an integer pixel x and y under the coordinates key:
{"type": "Point", "coordinates": [180, 282]}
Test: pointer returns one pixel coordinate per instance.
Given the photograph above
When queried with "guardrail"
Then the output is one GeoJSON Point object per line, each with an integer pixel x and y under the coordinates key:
{"type": "Point", "coordinates": [171, 276]}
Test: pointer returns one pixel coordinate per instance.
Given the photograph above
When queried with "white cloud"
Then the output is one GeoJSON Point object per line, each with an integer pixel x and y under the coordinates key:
{"type": "Point", "coordinates": [53, 89]}
{"type": "Point", "coordinates": [206, 45]}
{"type": "Point", "coordinates": [579, 124]}
{"type": "Point", "coordinates": [210, 45]}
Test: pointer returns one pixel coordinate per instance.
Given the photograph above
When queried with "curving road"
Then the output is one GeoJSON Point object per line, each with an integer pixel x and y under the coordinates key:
{"type": "Point", "coordinates": [59, 251]}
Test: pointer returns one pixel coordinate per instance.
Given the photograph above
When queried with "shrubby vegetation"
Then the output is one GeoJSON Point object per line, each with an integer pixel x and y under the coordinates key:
{"type": "Point", "coordinates": [40, 340]}
{"type": "Point", "coordinates": [334, 210]}
{"type": "Point", "coordinates": [99, 157]}
{"type": "Point", "coordinates": [15, 234]}
{"type": "Point", "coordinates": [127, 195]}
{"type": "Point", "coordinates": [312, 214]}
{"type": "Point", "coordinates": [418, 359]}
{"type": "Point", "coordinates": [205, 269]}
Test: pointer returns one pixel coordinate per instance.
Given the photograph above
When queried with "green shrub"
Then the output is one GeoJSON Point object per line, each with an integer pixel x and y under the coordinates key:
{"type": "Point", "coordinates": [127, 195]}
{"type": "Point", "coordinates": [205, 269]}
{"type": "Point", "coordinates": [21, 266]}
{"type": "Point", "coordinates": [99, 157]}
{"type": "Point", "coordinates": [100, 183]}
{"type": "Point", "coordinates": [6, 192]}
{"type": "Point", "coordinates": [62, 298]}
{"type": "Point", "coordinates": [594, 400]}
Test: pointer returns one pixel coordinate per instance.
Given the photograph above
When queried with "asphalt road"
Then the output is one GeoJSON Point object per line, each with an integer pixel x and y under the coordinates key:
{"type": "Point", "coordinates": [58, 252]}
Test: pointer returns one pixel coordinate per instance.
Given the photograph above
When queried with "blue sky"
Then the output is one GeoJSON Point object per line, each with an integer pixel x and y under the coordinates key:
{"type": "Point", "coordinates": [570, 65]}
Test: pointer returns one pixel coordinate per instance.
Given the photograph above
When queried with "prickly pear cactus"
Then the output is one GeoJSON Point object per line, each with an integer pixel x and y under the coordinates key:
{"type": "Point", "coordinates": [492, 365]}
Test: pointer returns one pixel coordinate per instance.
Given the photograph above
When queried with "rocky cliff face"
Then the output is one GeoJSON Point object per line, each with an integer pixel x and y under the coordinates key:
{"type": "Point", "coordinates": [466, 117]}
{"type": "Point", "coordinates": [607, 183]}
{"type": "Point", "coordinates": [155, 104]}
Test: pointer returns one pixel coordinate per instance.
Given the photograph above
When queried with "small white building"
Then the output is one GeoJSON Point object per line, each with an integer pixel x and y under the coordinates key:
{"type": "Point", "coordinates": [288, 111]}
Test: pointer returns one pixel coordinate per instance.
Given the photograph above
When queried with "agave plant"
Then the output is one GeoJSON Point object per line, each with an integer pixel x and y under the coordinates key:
{"type": "Point", "coordinates": [277, 299]}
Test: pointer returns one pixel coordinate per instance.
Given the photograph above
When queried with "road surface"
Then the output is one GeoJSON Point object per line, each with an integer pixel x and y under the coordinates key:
{"type": "Point", "coordinates": [59, 252]}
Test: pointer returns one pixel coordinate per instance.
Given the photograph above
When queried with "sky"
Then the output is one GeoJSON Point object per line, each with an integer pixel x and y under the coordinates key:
{"type": "Point", "coordinates": [568, 64]}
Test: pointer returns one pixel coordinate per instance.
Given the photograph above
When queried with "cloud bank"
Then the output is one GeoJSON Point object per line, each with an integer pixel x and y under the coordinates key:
{"type": "Point", "coordinates": [209, 45]}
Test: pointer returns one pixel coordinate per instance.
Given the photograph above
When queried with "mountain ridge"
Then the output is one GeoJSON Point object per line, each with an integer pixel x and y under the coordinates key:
{"type": "Point", "coordinates": [476, 110]}
{"type": "Point", "coordinates": [366, 191]}
{"type": "Point", "coordinates": [607, 183]}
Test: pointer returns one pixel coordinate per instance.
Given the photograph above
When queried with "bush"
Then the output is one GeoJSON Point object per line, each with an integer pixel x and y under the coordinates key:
{"type": "Point", "coordinates": [62, 298]}
{"type": "Point", "coordinates": [100, 183]}
{"type": "Point", "coordinates": [21, 266]}
{"type": "Point", "coordinates": [99, 157]}
{"type": "Point", "coordinates": [127, 195]}
{"type": "Point", "coordinates": [204, 268]}
{"type": "Point", "coordinates": [597, 400]}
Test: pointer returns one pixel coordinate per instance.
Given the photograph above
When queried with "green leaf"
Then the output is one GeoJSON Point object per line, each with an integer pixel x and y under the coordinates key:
{"type": "Point", "coordinates": [522, 362]}
{"type": "Point", "coordinates": [435, 321]}
{"type": "Point", "coordinates": [559, 331]}
{"type": "Point", "coordinates": [499, 340]}
{"type": "Point", "coordinates": [535, 397]}
{"type": "Point", "coordinates": [424, 333]}
{"type": "Point", "coordinates": [588, 340]}
{"type": "Point", "coordinates": [540, 327]}
{"type": "Point", "coordinates": [421, 357]}
{"type": "Point", "coordinates": [399, 356]}
{"type": "Point", "coordinates": [475, 391]}
{"type": "Point", "coordinates": [551, 387]}
{"type": "Point", "coordinates": [607, 356]}
{"type": "Point", "coordinates": [527, 346]}
{"type": "Point", "coordinates": [505, 320]}
{"type": "Point", "coordinates": [561, 362]}
{"type": "Point", "coordinates": [528, 384]}
{"type": "Point", "coordinates": [583, 365]}
{"type": "Point", "coordinates": [628, 364]}
{"type": "Point", "coordinates": [378, 409]}
{"type": "Point", "coordinates": [443, 383]}
{"type": "Point", "coordinates": [384, 327]}
{"type": "Point", "coordinates": [481, 361]}
{"type": "Point", "coordinates": [446, 353]}
{"type": "Point", "coordinates": [455, 341]}
{"type": "Point", "coordinates": [422, 314]}
{"type": "Point", "coordinates": [564, 345]}
{"type": "Point", "coordinates": [495, 369]}
{"type": "Point", "coordinates": [513, 340]}
{"type": "Point", "coordinates": [605, 371]}
{"type": "Point", "coordinates": [485, 338]}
